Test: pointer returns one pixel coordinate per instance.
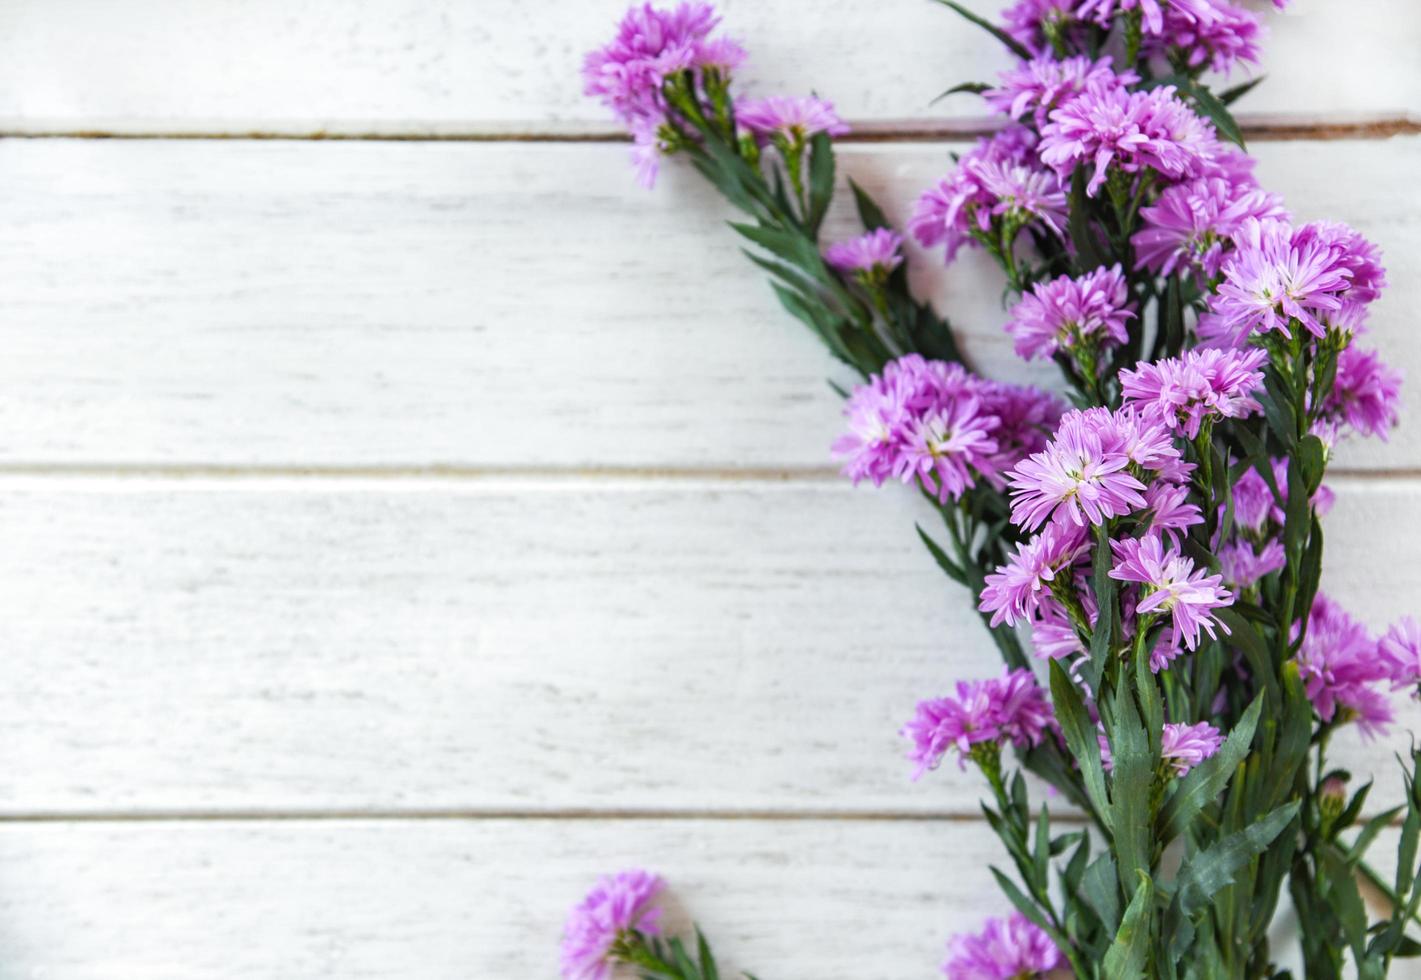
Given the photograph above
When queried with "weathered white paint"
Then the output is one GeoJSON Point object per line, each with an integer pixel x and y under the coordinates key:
{"type": "Point", "coordinates": [407, 66]}
{"type": "Point", "coordinates": [395, 304]}
{"type": "Point", "coordinates": [531, 646]}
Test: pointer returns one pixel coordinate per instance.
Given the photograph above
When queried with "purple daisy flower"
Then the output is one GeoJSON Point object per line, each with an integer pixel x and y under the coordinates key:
{"type": "Point", "coordinates": [1366, 394]}
{"type": "Point", "coordinates": [1244, 564]}
{"type": "Point", "coordinates": [1342, 669]}
{"type": "Point", "coordinates": [618, 906]}
{"type": "Point", "coordinates": [1191, 225]}
{"type": "Point", "coordinates": [1012, 948]}
{"type": "Point", "coordinates": [1231, 37]}
{"type": "Point", "coordinates": [1152, 11]}
{"type": "Point", "coordinates": [1171, 585]}
{"type": "Point", "coordinates": [1361, 258]}
{"type": "Point", "coordinates": [1011, 708]}
{"type": "Point", "coordinates": [1033, 88]}
{"type": "Point", "coordinates": [1026, 417]}
{"type": "Point", "coordinates": [873, 253]}
{"type": "Point", "coordinates": [1014, 591]}
{"type": "Point", "coordinates": [1053, 636]}
{"type": "Point", "coordinates": [1170, 510]}
{"type": "Point", "coordinates": [1106, 127]}
{"type": "Point", "coordinates": [1199, 385]}
{"type": "Point", "coordinates": [795, 118]}
{"type": "Point", "coordinates": [1276, 275]}
{"type": "Point", "coordinates": [1253, 501]}
{"type": "Point", "coordinates": [1081, 476]}
{"type": "Point", "coordinates": [1185, 746]}
{"type": "Point", "coordinates": [944, 448]}
{"type": "Point", "coordinates": [1034, 22]}
{"type": "Point", "coordinates": [1067, 313]}
{"type": "Point", "coordinates": [1400, 648]}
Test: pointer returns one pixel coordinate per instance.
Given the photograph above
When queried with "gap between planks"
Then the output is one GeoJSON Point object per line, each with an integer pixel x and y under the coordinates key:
{"type": "Point", "coordinates": [1264, 128]}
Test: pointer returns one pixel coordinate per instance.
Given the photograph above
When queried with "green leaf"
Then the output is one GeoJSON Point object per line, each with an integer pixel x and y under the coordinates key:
{"type": "Point", "coordinates": [1347, 902]}
{"type": "Point", "coordinates": [1231, 95]}
{"type": "Point", "coordinates": [1369, 832]}
{"type": "Point", "coordinates": [1101, 891]}
{"type": "Point", "coordinates": [1104, 587]}
{"type": "Point", "coordinates": [1028, 908]}
{"type": "Point", "coordinates": [1125, 959]}
{"type": "Point", "coordinates": [821, 180]}
{"type": "Point", "coordinates": [1079, 223]}
{"type": "Point", "coordinates": [945, 563]}
{"type": "Point", "coordinates": [1213, 869]}
{"type": "Point", "coordinates": [1202, 785]}
{"type": "Point", "coordinates": [709, 971]}
{"type": "Point", "coordinates": [976, 88]}
{"type": "Point", "coordinates": [1080, 738]}
{"type": "Point", "coordinates": [1132, 776]}
{"type": "Point", "coordinates": [1210, 105]}
{"type": "Point", "coordinates": [1013, 45]}
{"type": "Point", "coordinates": [869, 212]}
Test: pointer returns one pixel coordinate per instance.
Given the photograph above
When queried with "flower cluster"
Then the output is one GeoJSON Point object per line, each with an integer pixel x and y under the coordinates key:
{"type": "Point", "coordinates": [1012, 948]}
{"type": "Point", "coordinates": [1084, 314]}
{"type": "Point", "coordinates": [937, 424]}
{"type": "Point", "coordinates": [1199, 386]}
{"type": "Point", "coordinates": [1012, 708]}
{"type": "Point", "coordinates": [1345, 674]}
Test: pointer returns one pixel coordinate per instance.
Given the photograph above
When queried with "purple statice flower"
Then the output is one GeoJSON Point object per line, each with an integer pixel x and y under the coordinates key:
{"type": "Point", "coordinates": [1366, 393]}
{"type": "Point", "coordinates": [1014, 591]}
{"type": "Point", "coordinates": [875, 252]}
{"type": "Point", "coordinates": [1067, 313]}
{"type": "Point", "coordinates": [1107, 126]}
{"type": "Point", "coordinates": [1081, 476]}
{"type": "Point", "coordinates": [1185, 746]}
{"type": "Point", "coordinates": [995, 179]}
{"type": "Point", "coordinates": [651, 44]}
{"type": "Point", "coordinates": [1026, 417]}
{"type": "Point", "coordinates": [618, 906]}
{"type": "Point", "coordinates": [1191, 224]}
{"type": "Point", "coordinates": [1033, 22]}
{"type": "Point", "coordinates": [1010, 708]}
{"type": "Point", "coordinates": [794, 118]}
{"type": "Point", "coordinates": [1231, 37]}
{"type": "Point", "coordinates": [1171, 585]}
{"type": "Point", "coordinates": [1033, 88]}
{"type": "Point", "coordinates": [1276, 275]}
{"type": "Point", "coordinates": [1006, 949]}
{"type": "Point", "coordinates": [1199, 385]}
{"type": "Point", "coordinates": [1243, 564]}
{"type": "Point", "coordinates": [1342, 669]}
{"type": "Point", "coordinates": [1152, 11]}
{"type": "Point", "coordinates": [1400, 648]}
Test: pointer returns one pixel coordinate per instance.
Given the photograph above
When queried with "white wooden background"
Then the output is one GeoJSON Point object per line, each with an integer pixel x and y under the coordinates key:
{"type": "Point", "coordinates": [396, 533]}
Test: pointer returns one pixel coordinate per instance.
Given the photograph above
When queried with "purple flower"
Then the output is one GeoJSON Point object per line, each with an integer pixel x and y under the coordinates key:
{"type": "Point", "coordinates": [1033, 88]}
{"type": "Point", "coordinates": [923, 420]}
{"type": "Point", "coordinates": [793, 118]}
{"type": "Point", "coordinates": [1277, 274]}
{"type": "Point", "coordinates": [1400, 648]}
{"type": "Point", "coordinates": [619, 905]}
{"type": "Point", "coordinates": [1366, 393]}
{"type": "Point", "coordinates": [1199, 385]}
{"type": "Point", "coordinates": [1185, 746]}
{"type": "Point", "coordinates": [1011, 708]}
{"type": "Point", "coordinates": [996, 179]}
{"type": "Point", "coordinates": [1152, 11]}
{"type": "Point", "coordinates": [1342, 669]}
{"type": "Point", "coordinates": [1170, 510]}
{"type": "Point", "coordinates": [1253, 501]}
{"type": "Point", "coordinates": [1361, 259]}
{"type": "Point", "coordinates": [1191, 225]}
{"type": "Point", "coordinates": [1006, 949]}
{"type": "Point", "coordinates": [1106, 126]}
{"type": "Point", "coordinates": [1082, 475]}
{"type": "Point", "coordinates": [1026, 417]}
{"type": "Point", "coordinates": [1014, 591]}
{"type": "Point", "coordinates": [1034, 22]}
{"type": "Point", "coordinates": [874, 253]}
{"type": "Point", "coordinates": [1243, 564]}
{"type": "Point", "coordinates": [1171, 585]}
{"type": "Point", "coordinates": [1068, 313]}
{"type": "Point", "coordinates": [1232, 36]}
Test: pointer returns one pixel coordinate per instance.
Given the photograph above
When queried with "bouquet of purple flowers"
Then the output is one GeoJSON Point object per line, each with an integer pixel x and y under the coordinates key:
{"type": "Point", "coordinates": [1144, 553]}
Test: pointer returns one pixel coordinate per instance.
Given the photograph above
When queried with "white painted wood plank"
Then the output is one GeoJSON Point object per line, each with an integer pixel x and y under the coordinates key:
{"type": "Point", "coordinates": [836, 900]}
{"type": "Point", "coordinates": [387, 304]}
{"type": "Point", "coordinates": [481, 899]}
{"type": "Point", "coordinates": [297, 645]}
{"type": "Point", "coordinates": [408, 66]}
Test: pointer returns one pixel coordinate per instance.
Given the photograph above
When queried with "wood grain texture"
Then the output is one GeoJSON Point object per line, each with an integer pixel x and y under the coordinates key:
{"type": "Point", "coordinates": [666, 646]}
{"type": "Point", "coordinates": [503, 66]}
{"type": "Point", "coordinates": [417, 305]}
{"type": "Point", "coordinates": [428, 900]}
